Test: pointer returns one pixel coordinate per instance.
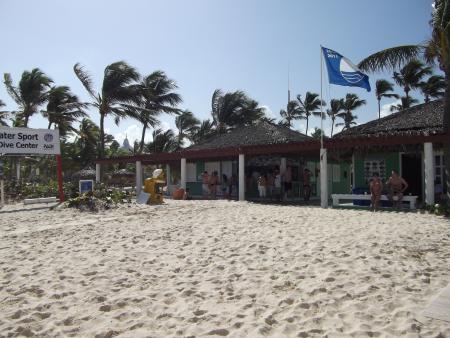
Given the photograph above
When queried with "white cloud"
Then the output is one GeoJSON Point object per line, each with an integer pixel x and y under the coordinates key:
{"type": "Point", "coordinates": [386, 108]}
{"type": "Point", "coordinates": [269, 111]}
{"type": "Point", "coordinates": [164, 125]}
{"type": "Point", "coordinates": [301, 127]}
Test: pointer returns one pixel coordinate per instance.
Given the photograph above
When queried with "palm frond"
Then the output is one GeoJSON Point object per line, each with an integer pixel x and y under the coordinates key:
{"type": "Point", "coordinates": [390, 58]}
{"type": "Point", "coordinates": [85, 80]}
{"type": "Point", "coordinates": [11, 89]}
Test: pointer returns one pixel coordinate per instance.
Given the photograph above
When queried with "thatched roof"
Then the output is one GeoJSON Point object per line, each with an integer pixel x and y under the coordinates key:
{"type": "Point", "coordinates": [422, 119]}
{"type": "Point", "coordinates": [263, 133]}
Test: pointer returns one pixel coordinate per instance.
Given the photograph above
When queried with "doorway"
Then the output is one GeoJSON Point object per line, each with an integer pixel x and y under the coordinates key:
{"type": "Point", "coordinates": [412, 173]}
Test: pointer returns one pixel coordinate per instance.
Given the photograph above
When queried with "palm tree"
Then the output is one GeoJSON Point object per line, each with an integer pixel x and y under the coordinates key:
{"type": "Point", "coordinates": [3, 115]}
{"type": "Point", "coordinates": [87, 139]}
{"type": "Point", "coordinates": [162, 142]}
{"type": "Point", "coordinates": [63, 109]}
{"type": "Point", "coordinates": [433, 87]}
{"type": "Point", "coordinates": [350, 103]}
{"type": "Point", "coordinates": [29, 95]}
{"type": "Point", "coordinates": [406, 102]}
{"type": "Point", "coordinates": [293, 112]}
{"type": "Point", "coordinates": [334, 110]}
{"type": "Point", "coordinates": [186, 123]}
{"type": "Point", "coordinates": [317, 133]}
{"type": "Point", "coordinates": [310, 106]}
{"type": "Point", "coordinates": [411, 75]}
{"type": "Point", "coordinates": [205, 130]}
{"type": "Point", "coordinates": [117, 97]}
{"type": "Point", "coordinates": [234, 109]}
{"type": "Point", "coordinates": [383, 89]}
{"type": "Point", "coordinates": [158, 97]}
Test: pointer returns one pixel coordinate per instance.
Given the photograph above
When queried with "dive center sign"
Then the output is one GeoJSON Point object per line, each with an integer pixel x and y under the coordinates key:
{"type": "Point", "coordinates": [29, 141]}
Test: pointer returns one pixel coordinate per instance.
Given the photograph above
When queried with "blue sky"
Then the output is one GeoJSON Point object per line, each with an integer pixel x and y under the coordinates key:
{"type": "Point", "coordinates": [205, 44]}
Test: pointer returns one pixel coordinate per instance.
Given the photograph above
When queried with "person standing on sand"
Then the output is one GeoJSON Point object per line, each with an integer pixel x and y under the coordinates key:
{"type": "Point", "coordinates": [277, 185]}
{"type": "Point", "coordinates": [306, 185]}
{"type": "Point", "coordinates": [287, 179]}
{"type": "Point", "coordinates": [213, 181]}
{"type": "Point", "coordinates": [376, 186]}
{"type": "Point", "coordinates": [262, 183]}
{"type": "Point", "coordinates": [233, 181]}
{"type": "Point", "coordinates": [270, 184]}
{"type": "Point", "coordinates": [224, 186]}
{"type": "Point", "coordinates": [397, 186]}
{"type": "Point", "coordinates": [205, 184]}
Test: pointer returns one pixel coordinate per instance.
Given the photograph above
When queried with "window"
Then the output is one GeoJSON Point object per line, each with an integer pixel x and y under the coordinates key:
{"type": "Point", "coordinates": [336, 173]}
{"type": "Point", "coordinates": [227, 168]}
{"type": "Point", "coordinates": [191, 172]}
{"type": "Point", "coordinates": [438, 169]}
{"type": "Point", "coordinates": [372, 166]}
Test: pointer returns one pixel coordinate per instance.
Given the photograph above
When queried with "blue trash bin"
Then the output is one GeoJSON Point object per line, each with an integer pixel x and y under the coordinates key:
{"type": "Point", "coordinates": [361, 191]}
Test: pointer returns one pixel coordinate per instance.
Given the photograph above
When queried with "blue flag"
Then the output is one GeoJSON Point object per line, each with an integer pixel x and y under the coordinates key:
{"type": "Point", "coordinates": [342, 72]}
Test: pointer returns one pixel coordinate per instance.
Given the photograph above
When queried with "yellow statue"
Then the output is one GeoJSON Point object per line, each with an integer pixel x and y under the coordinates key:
{"type": "Point", "coordinates": [155, 186]}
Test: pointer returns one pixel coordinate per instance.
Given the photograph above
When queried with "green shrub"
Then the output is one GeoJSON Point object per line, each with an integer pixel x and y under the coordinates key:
{"type": "Point", "coordinates": [101, 198]}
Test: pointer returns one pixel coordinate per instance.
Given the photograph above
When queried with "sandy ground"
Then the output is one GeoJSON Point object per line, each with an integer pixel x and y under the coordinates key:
{"type": "Point", "coordinates": [218, 268]}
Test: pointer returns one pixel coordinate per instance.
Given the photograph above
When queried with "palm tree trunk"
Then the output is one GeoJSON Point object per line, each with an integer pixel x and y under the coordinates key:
{"type": "Point", "coordinates": [102, 136]}
{"type": "Point", "coordinates": [49, 125]}
{"type": "Point", "coordinates": [379, 109]}
{"type": "Point", "coordinates": [141, 146]}
{"type": "Point", "coordinates": [307, 122]}
{"type": "Point", "coordinates": [332, 127]}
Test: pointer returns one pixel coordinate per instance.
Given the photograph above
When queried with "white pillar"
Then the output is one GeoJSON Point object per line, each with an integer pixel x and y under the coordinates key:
{"type": "Point", "coordinates": [183, 174]}
{"type": "Point", "coordinates": [429, 172]}
{"type": "Point", "coordinates": [323, 178]}
{"type": "Point", "coordinates": [97, 172]}
{"type": "Point", "coordinates": [138, 177]}
{"type": "Point", "coordinates": [283, 165]}
{"type": "Point", "coordinates": [241, 177]}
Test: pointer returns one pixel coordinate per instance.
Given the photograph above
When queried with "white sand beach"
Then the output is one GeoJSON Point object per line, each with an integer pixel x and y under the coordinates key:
{"type": "Point", "coordinates": [219, 268]}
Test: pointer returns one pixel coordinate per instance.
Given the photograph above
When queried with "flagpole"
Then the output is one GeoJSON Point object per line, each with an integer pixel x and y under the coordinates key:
{"type": "Point", "coordinates": [289, 91]}
{"type": "Point", "coordinates": [321, 100]}
{"type": "Point", "coordinates": [323, 152]}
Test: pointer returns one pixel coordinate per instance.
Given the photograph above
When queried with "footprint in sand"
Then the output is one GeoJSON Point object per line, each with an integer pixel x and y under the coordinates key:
{"type": "Point", "coordinates": [219, 332]}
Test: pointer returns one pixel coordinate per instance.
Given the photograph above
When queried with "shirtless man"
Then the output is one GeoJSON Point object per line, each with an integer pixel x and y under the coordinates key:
{"type": "Point", "coordinates": [397, 187]}
{"type": "Point", "coordinates": [376, 186]}
{"type": "Point", "coordinates": [205, 184]}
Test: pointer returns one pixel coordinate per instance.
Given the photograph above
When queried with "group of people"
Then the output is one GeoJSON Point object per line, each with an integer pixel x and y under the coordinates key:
{"type": "Point", "coordinates": [278, 186]}
{"type": "Point", "coordinates": [210, 184]}
{"type": "Point", "coordinates": [395, 185]}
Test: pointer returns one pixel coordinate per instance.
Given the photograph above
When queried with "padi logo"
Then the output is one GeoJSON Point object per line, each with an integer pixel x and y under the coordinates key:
{"type": "Point", "coordinates": [48, 137]}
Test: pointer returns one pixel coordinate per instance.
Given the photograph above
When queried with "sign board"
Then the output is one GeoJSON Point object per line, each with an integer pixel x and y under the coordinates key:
{"type": "Point", "coordinates": [29, 141]}
{"type": "Point", "coordinates": [86, 186]}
